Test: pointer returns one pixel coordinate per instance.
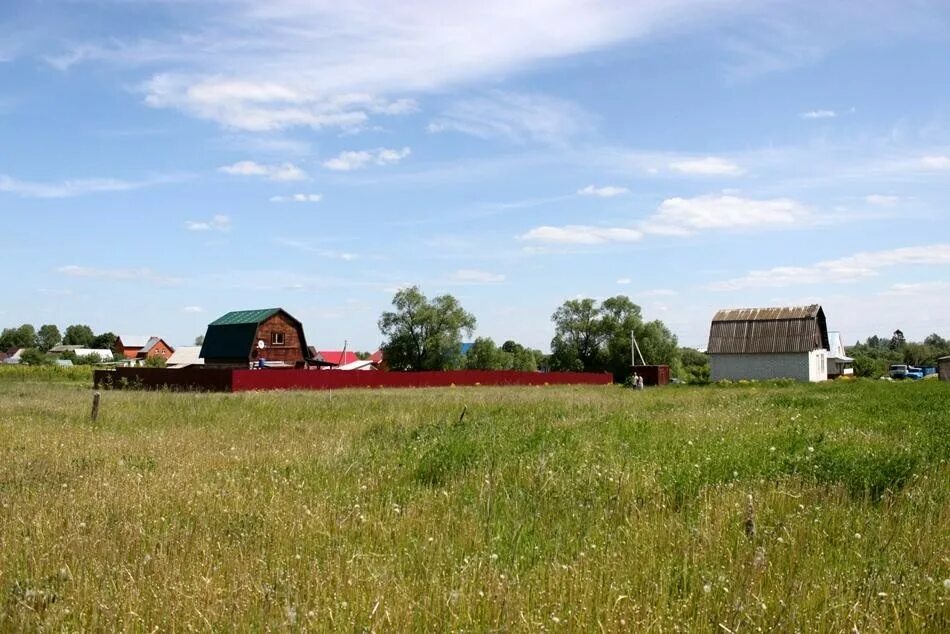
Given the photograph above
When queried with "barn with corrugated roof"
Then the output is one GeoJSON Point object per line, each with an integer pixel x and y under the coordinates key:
{"type": "Point", "coordinates": [769, 343]}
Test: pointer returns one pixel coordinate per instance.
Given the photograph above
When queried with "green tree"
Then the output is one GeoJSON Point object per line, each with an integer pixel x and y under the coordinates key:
{"type": "Point", "coordinates": [596, 338]}
{"type": "Point", "coordinates": [155, 361]}
{"type": "Point", "coordinates": [79, 335]}
{"type": "Point", "coordinates": [423, 334]}
{"type": "Point", "coordinates": [485, 355]}
{"type": "Point", "coordinates": [694, 366]}
{"type": "Point", "coordinates": [105, 341]}
{"type": "Point", "coordinates": [47, 337]}
{"type": "Point", "coordinates": [199, 340]}
{"type": "Point", "coordinates": [22, 337]}
{"type": "Point", "coordinates": [577, 336]}
{"type": "Point", "coordinates": [33, 356]}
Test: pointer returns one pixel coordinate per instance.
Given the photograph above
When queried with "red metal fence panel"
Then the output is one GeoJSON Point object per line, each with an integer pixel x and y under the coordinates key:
{"type": "Point", "coordinates": [227, 380]}
{"type": "Point", "coordinates": [334, 379]}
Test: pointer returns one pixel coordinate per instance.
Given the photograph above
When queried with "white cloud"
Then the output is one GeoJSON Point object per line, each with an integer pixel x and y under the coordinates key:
{"type": "Point", "coordinates": [473, 276]}
{"type": "Point", "coordinates": [308, 247]}
{"type": "Point", "coordinates": [283, 63]}
{"type": "Point", "coordinates": [283, 172]}
{"type": "Point", "coordinates": [297, 198]}
{"type": "Point", "coordinates": [881, 200]}
{"type": "Point", "coordinates": [515, 117]}
{"type": "Point", "coordinates": [581, 234]}
{"type": "Point", "coordinates": [357, 159]}
{"type": "Point", "coordinates": [623, 281]}
{"type": "Point", "coordinates": [76, 187]}
{"type": "Point", "coordinates": [819, 114]}
{"type": "Point", "coordinates": [219, 222]}
{"type": "Point", "coordinates": [683, 216]}
{"type": "Point", "coordinates": [917, 288]}
{"type": "Point", "coordinates": [707, 166]}
{"type": "Point", "coordinates": [935, 162]}
{"type": "Point", "coordinates": [608, 191]}
{"type": "Point", "coordinates": [193, 309]}
{"type": "Point", "coordinates": [847, 269]}
{"type": "Point", "coordinates": [122, 275]}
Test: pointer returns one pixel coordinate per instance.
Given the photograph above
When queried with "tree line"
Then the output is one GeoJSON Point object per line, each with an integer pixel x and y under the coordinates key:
{"type": "Point", "coordinates": [427, 334]}
{"type": "Point", "coordinates": [38, 342]}
{"type": "Point", "coordinates": [873, 356]}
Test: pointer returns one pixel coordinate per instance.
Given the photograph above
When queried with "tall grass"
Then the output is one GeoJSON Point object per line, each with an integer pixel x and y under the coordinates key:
{"type": "Point", "coordinates": [542, 509]}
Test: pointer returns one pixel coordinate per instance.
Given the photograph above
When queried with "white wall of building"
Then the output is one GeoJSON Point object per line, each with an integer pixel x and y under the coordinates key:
{"type": "Point", "coordinates": [801, 366]}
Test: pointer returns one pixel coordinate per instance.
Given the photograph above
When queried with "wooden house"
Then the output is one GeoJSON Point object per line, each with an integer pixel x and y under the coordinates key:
{"type": "Point", "coordinates": [268, 337]}
{"type": "Point", "coordinates": [769, 343]}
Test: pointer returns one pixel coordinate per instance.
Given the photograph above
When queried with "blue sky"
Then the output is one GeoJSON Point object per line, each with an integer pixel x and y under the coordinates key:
{"type": "Point", "coordinates": [163, 162]}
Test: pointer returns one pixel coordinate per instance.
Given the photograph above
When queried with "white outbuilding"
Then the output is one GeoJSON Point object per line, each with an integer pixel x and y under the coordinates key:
{"type": "Point", "coordinates": [769, 343]}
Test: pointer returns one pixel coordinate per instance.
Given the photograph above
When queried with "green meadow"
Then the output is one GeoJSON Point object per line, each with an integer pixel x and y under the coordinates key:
{"type": "Point", "coordinates": [746, 508]}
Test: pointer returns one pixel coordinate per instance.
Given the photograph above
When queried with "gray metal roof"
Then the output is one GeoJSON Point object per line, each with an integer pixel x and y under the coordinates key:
{"type": "Point", "coordinates": [133, 341]}
{"type": "Point", "coordinates": [768, 330]}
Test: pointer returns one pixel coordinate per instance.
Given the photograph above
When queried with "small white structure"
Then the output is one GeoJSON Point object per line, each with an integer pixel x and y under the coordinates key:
{"type": "Point", "coordinates": [14, 355]}
{"type": "Point", "coordinates": [103, 354]}
{"type": "Point", "coordinates": [839, 363]}
{"type": "Point", "coordinates": [358, 365]}
{"type": "Point", "coordinates": [769, 343]}
{"type": "Point", "coordinates": [184, 356]}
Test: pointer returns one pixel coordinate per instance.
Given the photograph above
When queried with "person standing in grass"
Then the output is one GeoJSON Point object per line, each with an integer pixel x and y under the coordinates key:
{"type": "Point", "coordinates": [639, 381]}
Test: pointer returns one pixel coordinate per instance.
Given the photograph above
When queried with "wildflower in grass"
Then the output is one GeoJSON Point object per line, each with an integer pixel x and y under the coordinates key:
{"type": "Point", "coordinates": [946, 584]}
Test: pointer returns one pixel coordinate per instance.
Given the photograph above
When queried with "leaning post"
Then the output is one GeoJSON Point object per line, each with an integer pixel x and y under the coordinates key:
{"type": "Point", "coordinates": [95, 405]}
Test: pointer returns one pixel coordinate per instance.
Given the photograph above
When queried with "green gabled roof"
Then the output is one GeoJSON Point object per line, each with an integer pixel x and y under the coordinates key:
{"type": "Point", "coordinates": [244, 317]}
{"type": "Point", "coordinates": [231, 336]}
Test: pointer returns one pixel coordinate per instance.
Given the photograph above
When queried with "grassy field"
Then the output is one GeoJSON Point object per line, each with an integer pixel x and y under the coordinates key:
{"type": "Point", "coordinates": [737, 509]}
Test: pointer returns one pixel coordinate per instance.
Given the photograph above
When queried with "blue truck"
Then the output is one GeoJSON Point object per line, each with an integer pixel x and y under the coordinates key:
{"type": "Point", "coordinates": [904, 371]}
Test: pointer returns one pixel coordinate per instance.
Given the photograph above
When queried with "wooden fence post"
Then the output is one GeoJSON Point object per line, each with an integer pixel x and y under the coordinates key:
{"type": "Point", "coordinates": [95, 406]}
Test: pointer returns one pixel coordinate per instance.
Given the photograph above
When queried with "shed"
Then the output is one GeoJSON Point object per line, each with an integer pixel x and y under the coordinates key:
{"type": "Point", "coordinates": [261, 336]}
{"type": "Point", "coordinates": [943, 368]}
{"type": "Point", "coordinates": [767, 343]}
{"type": "Point", "coordinates": [185, 356]}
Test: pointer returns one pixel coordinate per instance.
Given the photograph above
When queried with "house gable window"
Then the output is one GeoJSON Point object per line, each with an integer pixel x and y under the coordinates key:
{"type": "Point", "coordinates": [277, 339]}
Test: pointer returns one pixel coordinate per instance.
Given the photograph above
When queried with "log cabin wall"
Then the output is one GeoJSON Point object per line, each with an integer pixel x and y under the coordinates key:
{"type": "Point", "coordinates": [281, 337]}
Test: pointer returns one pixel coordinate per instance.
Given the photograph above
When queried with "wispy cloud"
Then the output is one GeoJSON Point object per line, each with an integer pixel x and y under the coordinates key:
{"type": "Point", "coordinates": [707, 166]}
{"type": "Point", "coordinates": [297, 198]}
{"type": "Point", "coordinates": [357, 159]}
{"type": "Point", "coordinates": [881, 200]}
{"type": "Point", "coordinates": [818, 114]}
{"type": "Point", "coordinates": [474, 276]}
{"type": "Point", "coordinates": [581, 234]}
{"type": "Point", "coordinates": [847, 269]}
{"type": "Point", "coordinates": [119, 274]}
{"type": "Point", "coordinates": [918, 288]}
{"type": "Point", "coordinates": [518, 118]}
{"type": "Point", "coordinates": [282, 172]}
{"type": "Point", "coordinates": [935, 162]}
{"type": "Point", "coordinates": [193, 309]}
{"type": "Point", "coordinates": [219, 222]}
{"type": "Point", "coordinates": [608, 191]}
{"type": "Point", "coordinates": [77, 187]}
{"type": "Point", "coordinates": [309, 247]}
{"type": "Point", "coordinates": [683, 216]}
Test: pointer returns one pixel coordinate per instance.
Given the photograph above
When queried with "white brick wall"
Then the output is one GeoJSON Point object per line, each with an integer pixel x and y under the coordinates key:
{"type": "Point", "coordinates": [801, 366]}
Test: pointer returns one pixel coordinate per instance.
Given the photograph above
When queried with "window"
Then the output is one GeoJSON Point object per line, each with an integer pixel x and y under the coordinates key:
{"type": "Point", "coordinates": [277, 339]}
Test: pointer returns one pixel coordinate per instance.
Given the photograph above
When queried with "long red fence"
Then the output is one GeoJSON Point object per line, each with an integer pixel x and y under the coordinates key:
{"type": "Point", "coordinates": [227, 380]}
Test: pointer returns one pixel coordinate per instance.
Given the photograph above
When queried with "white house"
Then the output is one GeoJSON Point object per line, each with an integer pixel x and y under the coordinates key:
{"type": "Point", "coordinates": [839, 364]}
{"type": "Point", "coordinates": [769, 343]}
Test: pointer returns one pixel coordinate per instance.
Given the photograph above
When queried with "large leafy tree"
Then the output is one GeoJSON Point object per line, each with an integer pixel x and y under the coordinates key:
{"type": "Point", "coordinates": [47, 337]}
{"type": "Point", "coordinates": [104, 341]}
{"type": "Point", "coordinates": [22, 337]}
{"type": "Point", "coordinates": [597, 338]}
{"type": "Point", "coordinates": [423, 334]}
{"type": "Point", "coordinates": [79, 335]}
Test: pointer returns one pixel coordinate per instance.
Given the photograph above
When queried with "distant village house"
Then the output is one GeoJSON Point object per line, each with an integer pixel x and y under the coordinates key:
{"type": "Point", "coordinates": [769, 343]}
